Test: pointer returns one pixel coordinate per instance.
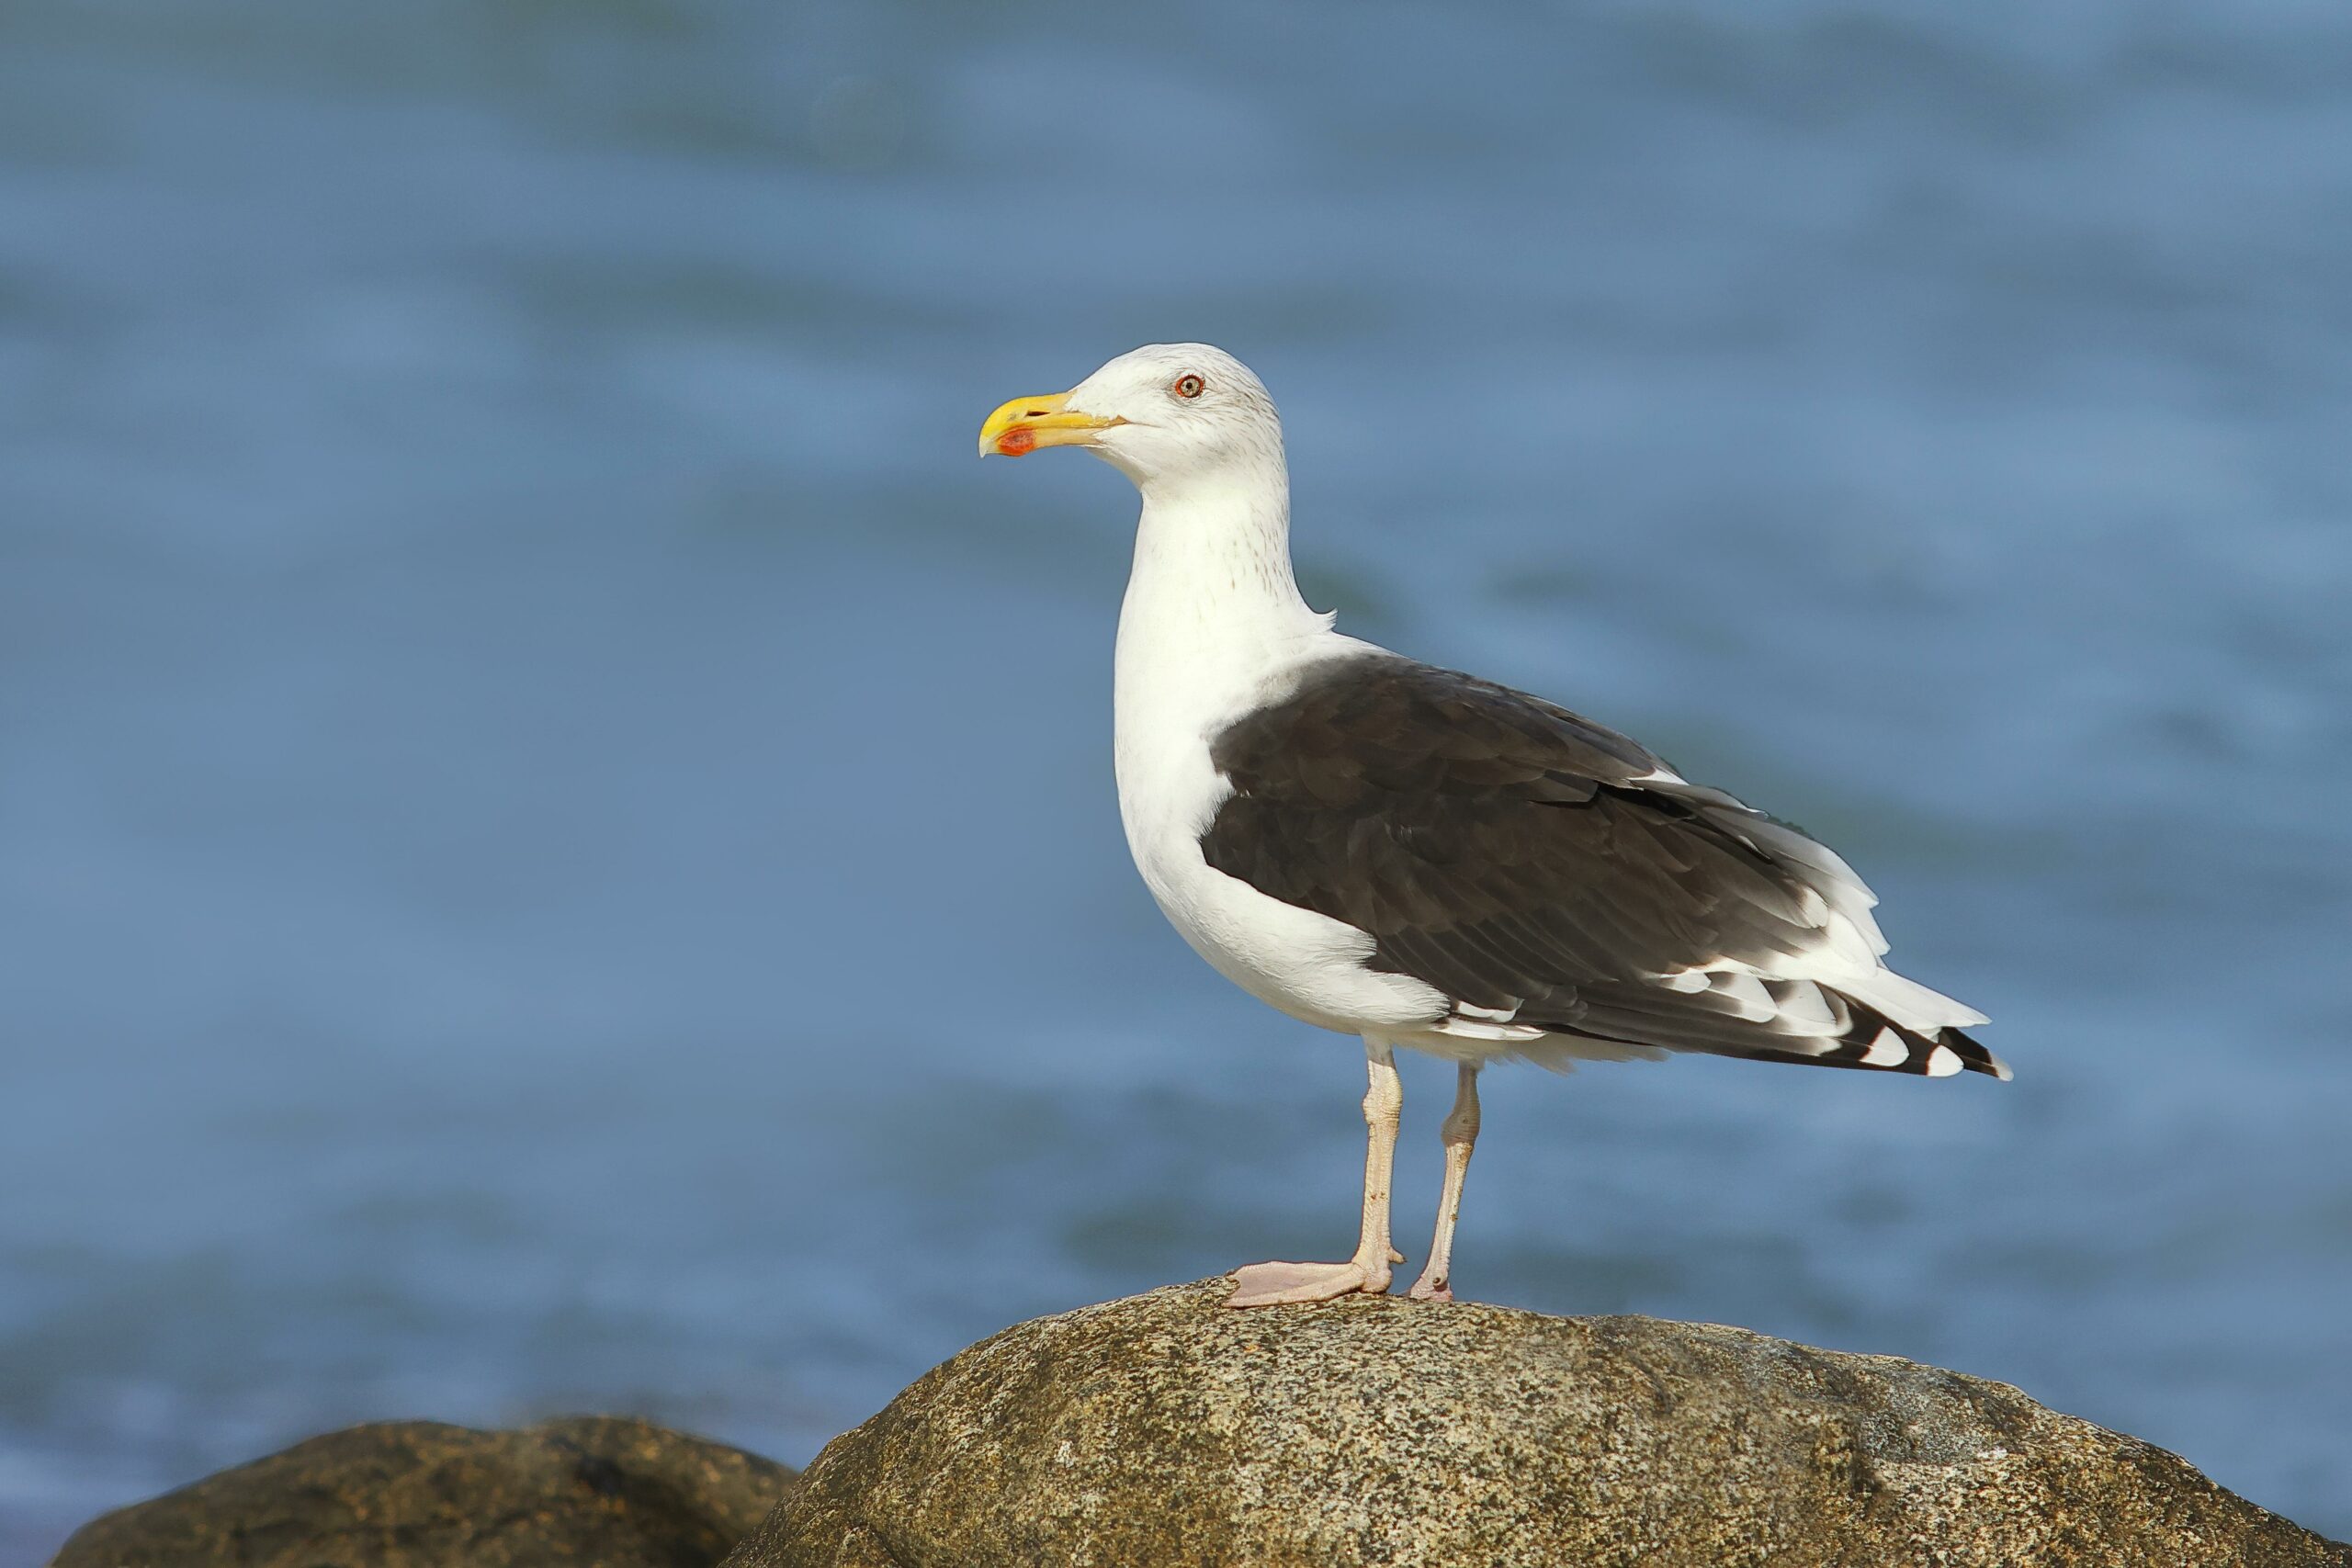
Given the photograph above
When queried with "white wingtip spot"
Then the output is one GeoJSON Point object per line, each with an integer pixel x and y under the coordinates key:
{"type": "Point", "coordinates": [1888, 1051]}
{"type": "Point", "coordinates": [1942, 1062]}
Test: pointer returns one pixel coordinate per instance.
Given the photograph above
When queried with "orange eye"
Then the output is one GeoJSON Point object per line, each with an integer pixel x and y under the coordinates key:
{"type": "Point", "coordinates": [1189, 386]}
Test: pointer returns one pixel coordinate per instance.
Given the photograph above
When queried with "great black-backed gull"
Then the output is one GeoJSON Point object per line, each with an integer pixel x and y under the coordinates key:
{"type": "Point", "coordinates": [1423, 858]}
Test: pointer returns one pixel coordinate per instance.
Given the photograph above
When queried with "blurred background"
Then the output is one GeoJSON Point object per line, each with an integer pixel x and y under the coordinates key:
{"type": "Point", "coordinates": [557, 844]}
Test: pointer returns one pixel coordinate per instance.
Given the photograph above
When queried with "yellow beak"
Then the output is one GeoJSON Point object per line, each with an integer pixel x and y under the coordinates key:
{"type": "Point", "coordinates": [1026, 424]}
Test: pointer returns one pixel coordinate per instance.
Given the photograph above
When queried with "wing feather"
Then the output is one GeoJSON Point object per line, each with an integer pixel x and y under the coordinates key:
{"type": "Point", "coordinates": [1530, 864]}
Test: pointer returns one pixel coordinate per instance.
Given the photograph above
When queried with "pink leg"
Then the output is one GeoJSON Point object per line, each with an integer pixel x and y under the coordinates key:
{"type": "Point", "coordinates": [1269, 1284]}
{"type": "Point", "coordinates": [1460, 1132]}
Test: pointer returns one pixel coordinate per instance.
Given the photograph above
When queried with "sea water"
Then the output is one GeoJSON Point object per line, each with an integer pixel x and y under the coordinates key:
{"type": "Point", "coordinates": [557, 847]}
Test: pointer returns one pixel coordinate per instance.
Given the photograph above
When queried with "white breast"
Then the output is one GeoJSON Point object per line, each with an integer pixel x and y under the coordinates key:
{"type": "Point", "coordinates": [1201, 639]}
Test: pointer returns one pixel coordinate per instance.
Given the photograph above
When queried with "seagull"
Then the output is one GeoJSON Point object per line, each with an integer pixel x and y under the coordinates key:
{"type": "Point", "coordinates": [1423, 858]}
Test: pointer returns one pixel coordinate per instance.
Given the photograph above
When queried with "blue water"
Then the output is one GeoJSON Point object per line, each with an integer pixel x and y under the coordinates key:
{"type": "Point", "coordinates": [556, 848]}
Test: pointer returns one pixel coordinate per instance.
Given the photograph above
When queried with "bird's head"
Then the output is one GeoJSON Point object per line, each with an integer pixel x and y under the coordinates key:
{"type": "Point", "coordinates": [1167, 412]}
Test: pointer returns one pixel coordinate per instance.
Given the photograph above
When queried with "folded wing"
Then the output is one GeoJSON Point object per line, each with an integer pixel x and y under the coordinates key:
{"type": "Point", "coordinates": [1553, 878]}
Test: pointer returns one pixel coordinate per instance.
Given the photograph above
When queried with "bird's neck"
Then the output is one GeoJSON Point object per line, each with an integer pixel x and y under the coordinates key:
{"type": "Point", "coordinates": [1212, 610]}
{"type": "Point", "coordinates": [1212, 579]}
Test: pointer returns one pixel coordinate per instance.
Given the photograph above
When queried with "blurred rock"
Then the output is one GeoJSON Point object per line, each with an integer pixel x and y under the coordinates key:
{"type": "Point", "coordinates": [587, 1491]}
{"type": "Point", "coordinates": [1164, 1431]}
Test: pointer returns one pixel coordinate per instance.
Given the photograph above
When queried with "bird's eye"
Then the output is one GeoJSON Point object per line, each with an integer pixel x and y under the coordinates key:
{"type": "Point", "coordinates": [1189, 386]}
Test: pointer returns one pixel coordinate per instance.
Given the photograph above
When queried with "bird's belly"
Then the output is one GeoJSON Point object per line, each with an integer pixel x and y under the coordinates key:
{"type": "Point", "coordinates": [1308, 965]}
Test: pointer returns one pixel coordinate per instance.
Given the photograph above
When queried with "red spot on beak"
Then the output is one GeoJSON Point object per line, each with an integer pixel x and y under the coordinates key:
{"type": "Point", "coordinates": [1015, 442]}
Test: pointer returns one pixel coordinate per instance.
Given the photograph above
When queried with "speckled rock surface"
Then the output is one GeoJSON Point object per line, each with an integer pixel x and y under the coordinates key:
{"type": "Point", "coordinates": [1166, 1430]}
{"type": "Point", "coordinates": [591, 1491]}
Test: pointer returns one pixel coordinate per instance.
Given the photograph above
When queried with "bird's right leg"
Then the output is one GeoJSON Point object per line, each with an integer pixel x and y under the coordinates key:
{"type": "Point", "coordinates": [1269, 1284]}
{"type": "Point", "coordinates": [1461, 1133]}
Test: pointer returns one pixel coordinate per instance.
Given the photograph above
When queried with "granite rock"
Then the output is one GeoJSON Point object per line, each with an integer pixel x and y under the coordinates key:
{"type": "Point", "coordinates": [1164, 1431]}
{"type": "Point", "coordinates": [582, 1493]}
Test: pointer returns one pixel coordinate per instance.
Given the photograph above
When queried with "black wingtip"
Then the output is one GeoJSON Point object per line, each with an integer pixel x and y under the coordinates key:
{"type": "Point", "coordinates": [1972, 1057]}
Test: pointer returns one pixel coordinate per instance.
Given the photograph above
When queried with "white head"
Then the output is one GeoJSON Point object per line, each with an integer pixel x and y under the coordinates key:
{"type": "Point", "coordinates": [1167, 415]}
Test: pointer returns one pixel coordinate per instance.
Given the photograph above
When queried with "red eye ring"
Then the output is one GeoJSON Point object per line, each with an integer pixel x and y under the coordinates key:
{"type": "Point", "coordinates": [1189, 386]}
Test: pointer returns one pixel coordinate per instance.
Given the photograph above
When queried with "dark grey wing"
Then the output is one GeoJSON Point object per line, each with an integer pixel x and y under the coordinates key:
{"type": "Point", "coordinates": [1548, 873]}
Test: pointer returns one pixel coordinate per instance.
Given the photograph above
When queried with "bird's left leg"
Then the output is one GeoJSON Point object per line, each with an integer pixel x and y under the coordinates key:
{"type": "Point", "coordinates": [1460, 1132]}
{"type": "Point", "coordinates": [1269, 1284]}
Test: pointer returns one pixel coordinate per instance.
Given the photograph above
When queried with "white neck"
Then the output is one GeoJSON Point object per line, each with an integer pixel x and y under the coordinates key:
{"type": "Point", "coordinates": [1212, 613]}
{"type": "Point", "coordinates": [1212, 557]}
